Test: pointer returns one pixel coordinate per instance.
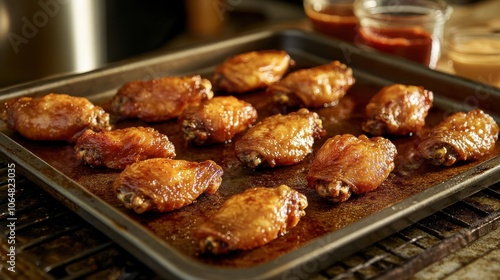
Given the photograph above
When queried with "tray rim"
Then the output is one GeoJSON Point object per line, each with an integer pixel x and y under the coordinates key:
{"type": "Point", "coordinates": [90, 206]}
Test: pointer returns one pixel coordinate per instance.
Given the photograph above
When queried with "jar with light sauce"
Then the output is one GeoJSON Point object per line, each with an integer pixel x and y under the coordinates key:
{"type": "Point", "coordinates": [474, 51]}
{"type": "Point", "coordinates": [412, 29]}
{"type": "Point", "coordinates": [334, 18]}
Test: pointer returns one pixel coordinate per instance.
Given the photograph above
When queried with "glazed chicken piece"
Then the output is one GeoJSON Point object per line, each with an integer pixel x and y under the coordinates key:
{"type": "Point", "coordinates": [216, 120]}
{"type": "Point", "coordinates": [347, 164]}
{"type": "Point", "coordinates": [251, 71]}
{"type": "Point", "coordinates": [54, 117]}
{"type": "Point", "coordinates": [397, 110]}
{"type": "Point", "coordinates": [119, 148]}
{"type": "Point", "coordinates": [460, 136]}
{"type": "Point", "coordinates": [160, 99]}
{"type": "Point", "coordinates": [163, 185]}
{"type": "Point", "coordinates": [251, 219]}
{"type": "Point", "coordinates": [315, 87]}
{"type": "Point", "coordinates": [280, 139]}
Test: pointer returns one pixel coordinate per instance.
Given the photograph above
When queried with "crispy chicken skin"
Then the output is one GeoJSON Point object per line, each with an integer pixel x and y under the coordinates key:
{"type": "Point", "coordinates": [119, 148]}
{"type": "Point", "coordinates": [216, 120]}
{"type": "Point", "coordinates": [347, 164]}
{"type": "Point", "coordinates": [459, 137]}
{"type": "Point", "coordinates": [160, 99]}
{"type": "Point", "coordinates": [251, 71]}
{"type": "Point", "coordinates": [280, 139]}
{"type": "Point", "coordinates": [315, 87]}
{"type": "Point", "coordinates": [398, 110]}
{"type": "Point", "coordinates": [54, 117]}
{"type": "Point", "coordinates": [163, 185]}
{"type": "Point", "coordinates": [251, 219]}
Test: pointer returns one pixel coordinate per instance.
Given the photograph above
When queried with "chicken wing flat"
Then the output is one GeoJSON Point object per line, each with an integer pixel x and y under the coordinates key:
{"type": "Point", "coordinates": [160, 99]}
{"type": "Point", "coordinates": [398, 110]}
{"type": "Point", "coordinates": [119, 148]}
{"type": "Point", "coordinates": [460, 136]}
{"type": "Point", "coordinates": [251, 219]}
{"type": "Point", "coordinates": [216, 120]}
{"type": "Point", "coordinates": [347, 164]}
{"type": "Point", "coordinates": [54, 117]}
{"type": "Point", "coordinates": [163, 185]}
{"type": "Point", "coordinates": [315, 87]}
{"type": "Point", "coordinates": [280, 139]}
{"type": "Point", "coordinates": [251, 71]}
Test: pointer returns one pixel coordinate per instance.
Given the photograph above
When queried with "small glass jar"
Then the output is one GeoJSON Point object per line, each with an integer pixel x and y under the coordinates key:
{"type": "Point", "coordinates": [334, 18]}
{"type": "Point", "coordinates": [412, 29]}
{"type": "Point", "coordinates": [474, 50]}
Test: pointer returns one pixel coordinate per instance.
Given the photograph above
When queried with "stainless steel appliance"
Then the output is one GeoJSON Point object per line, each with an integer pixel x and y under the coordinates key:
{"type": "Point", "coordinates": [56, 37]}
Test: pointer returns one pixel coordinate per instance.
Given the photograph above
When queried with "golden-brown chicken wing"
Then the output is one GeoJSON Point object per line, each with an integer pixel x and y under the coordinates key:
{"type": "Point", "coordinates": [280, 139]}
{"type": "Point", "coordinates": [315, 87]}
{"type": "Point", "coordinates": [251, 219]}
{"type": "Point", "coordinates": [121, 147]}
{"type": "Point", "coordinates": [160, 99]}
{"type": "Point", "coordinates": [251, 71]}
{"type": "Point", "coordinates": [347, 164]}
{"type": "Point", "coordinates": [460, 136]}
{"type": "Point", "coordinates": [54, 117]}
{"type": "Point", "coordinates": [398, 110]}
{"type": "Point", "coordinates": [216, 120]}
{"type": "Point", "coordinates": [162, 184]}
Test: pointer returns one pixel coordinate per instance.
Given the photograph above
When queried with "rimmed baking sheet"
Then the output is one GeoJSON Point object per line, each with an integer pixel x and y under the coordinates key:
{"type": "Point", "coordinates": [329, 231]}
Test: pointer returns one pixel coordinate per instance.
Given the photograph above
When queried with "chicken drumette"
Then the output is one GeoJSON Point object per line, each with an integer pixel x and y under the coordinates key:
{"type": "Point", "coordinates": [216, 120]}
{"type": "Point", "coordinates": [346, 164]}
{"type": "Point", "coordinates": [460, 136]}
{"type": "Point", "coordinates": [121, 147]}
{"type": "Point", "coordinates": [398, 110]}
{"type": "Point", "coordinates": [251, 219]}
{"type": "Point", "coordinates": [54, 117]}
{"type": "Point", "coordinates": [160, 99]}
{"type": "Point", "coordinates": [280, 139]}
{"type": "Point", "coordinates": [251, 71]}
{"type": "Point", "coordinates": [162, 184]}
{"type": "Point", "coordinates": [315, 87]}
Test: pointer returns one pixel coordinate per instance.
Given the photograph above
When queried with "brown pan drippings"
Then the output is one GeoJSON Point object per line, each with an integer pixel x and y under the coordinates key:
{"type": "Point", "coordinates": [410, 176]}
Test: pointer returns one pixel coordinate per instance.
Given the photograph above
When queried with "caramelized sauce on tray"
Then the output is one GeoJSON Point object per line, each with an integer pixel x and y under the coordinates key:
{"type": "Point", "coordinates": [411, 176]}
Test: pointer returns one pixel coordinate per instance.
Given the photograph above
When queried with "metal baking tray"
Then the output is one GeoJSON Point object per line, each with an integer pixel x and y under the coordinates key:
{"type": "Point", "coordinates": [329, 231]}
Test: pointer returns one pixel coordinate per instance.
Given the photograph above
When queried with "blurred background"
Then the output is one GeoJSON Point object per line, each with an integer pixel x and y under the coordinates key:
{"type": "Point", "coordinates": [41, 38]}
{"type": "Point", "coordinates": [44, 38]}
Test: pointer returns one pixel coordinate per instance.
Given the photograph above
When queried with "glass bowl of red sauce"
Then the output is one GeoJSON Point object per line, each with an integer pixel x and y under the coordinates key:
{"type": "Point", "coordinates": [412, 29]}
{"type": "Point", "coordinates": [334, 18]}
{"type": "Point", "coordinates": [474, 50]}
